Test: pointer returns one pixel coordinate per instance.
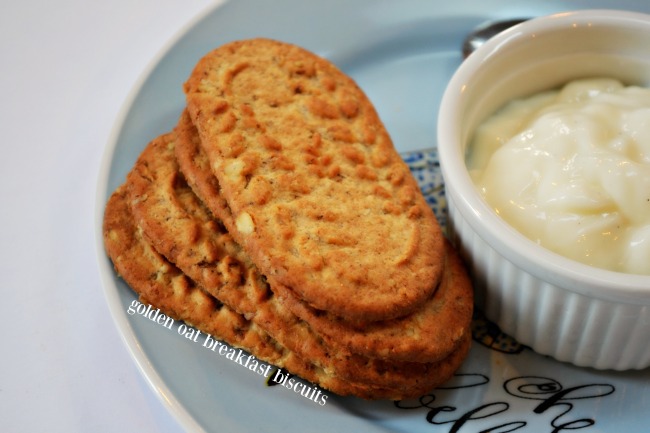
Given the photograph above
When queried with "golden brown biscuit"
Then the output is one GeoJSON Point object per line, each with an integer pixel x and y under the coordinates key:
{"type": "Point", "coordinates": [180, 227]}
{"type": "Point", "coordinates": [195, 166]}
{"type": "Point", "coordinates": [425, 336]}
{"type": "Point", "coordinates": [161, 284]}
{"type": "Point", "coordinates": [321, 201]}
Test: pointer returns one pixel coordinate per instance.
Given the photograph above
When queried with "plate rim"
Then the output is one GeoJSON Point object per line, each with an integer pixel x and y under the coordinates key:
{"type": "Point", "coordinates": [160, 388]}
{"type": "Point", "coordinates": [155, 382]}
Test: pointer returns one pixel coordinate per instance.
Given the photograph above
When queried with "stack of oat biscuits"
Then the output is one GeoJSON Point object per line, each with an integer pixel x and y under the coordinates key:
{"type": "Point", "coordinates": [278, 217]}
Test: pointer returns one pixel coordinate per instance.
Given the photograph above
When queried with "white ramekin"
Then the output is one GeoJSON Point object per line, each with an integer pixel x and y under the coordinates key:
{"type": "Point", "coordinates": [568, 310]}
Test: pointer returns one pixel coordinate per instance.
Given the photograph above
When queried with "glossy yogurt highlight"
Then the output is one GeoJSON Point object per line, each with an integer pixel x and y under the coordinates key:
{"type": "Point", "coordinates": [570, 169]}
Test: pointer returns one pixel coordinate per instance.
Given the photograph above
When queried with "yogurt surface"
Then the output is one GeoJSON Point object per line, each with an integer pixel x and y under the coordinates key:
{"type": "Point", "coordinates": [570, 169]}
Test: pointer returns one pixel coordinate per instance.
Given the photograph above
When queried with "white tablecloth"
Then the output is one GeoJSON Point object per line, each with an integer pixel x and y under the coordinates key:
{"type": "Point", "coordinates": [66, 68]}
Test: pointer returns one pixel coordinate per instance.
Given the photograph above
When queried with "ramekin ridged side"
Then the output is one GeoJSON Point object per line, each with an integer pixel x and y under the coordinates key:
{"type": "Point", "coordinates": [568, 326]}
{"type": "Point", "coordinates": [568, 310]}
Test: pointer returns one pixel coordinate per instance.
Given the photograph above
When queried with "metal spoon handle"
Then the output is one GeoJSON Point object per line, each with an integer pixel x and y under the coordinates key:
{"type": "Point", "coordinates": [485, 31]}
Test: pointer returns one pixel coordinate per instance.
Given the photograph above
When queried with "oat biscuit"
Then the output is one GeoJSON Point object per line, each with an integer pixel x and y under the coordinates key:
{"type": "Point", "coordinates": [278, 218]}
{"type": "Point", "coordinates": [426, 336]}
{"type": "Point", "coordinates": [162, 285]}
{"type": "Point", "coordinates": [195, 166]}
{"type": "Point", "coordinates": [434, 330]}
{"type": "Point", "coordinates": [159, 198]}
{"type": "Point", "coordinates": [186, 234]}
{"type": "Point", "coordinates": [321, 200]}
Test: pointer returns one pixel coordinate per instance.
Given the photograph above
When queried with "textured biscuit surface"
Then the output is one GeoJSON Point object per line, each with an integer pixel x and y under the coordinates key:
{"type": "Point", "coordinates": [427, 335]}
{"type": "Point", "coordinates": [183, 231]}
{"type": "Point", "coordinates": [430, 333]}
{"type": "Point", "coordinates": [278, 218]}
{"type": "Point", "coordinates": [321, 201]}
{"type": "Point", "coordinates": [161, 284]}
{"type": "Point", "coordinates": [195, 166]}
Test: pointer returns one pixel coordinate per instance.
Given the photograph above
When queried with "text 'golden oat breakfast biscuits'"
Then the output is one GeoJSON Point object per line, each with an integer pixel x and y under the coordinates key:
{"type": "Point", "coordinates": [321, 200]}
{"type": "Point", "coordinates": [180, 228]}
{"type": "Point", "coordinates": [163, 286]}
{"type": "Point", "coordinates": [278, 218]}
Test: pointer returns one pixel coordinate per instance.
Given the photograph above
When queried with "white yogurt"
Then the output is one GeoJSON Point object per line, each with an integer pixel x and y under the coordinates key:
{"type": "Point", "coordinates": [570, 169]}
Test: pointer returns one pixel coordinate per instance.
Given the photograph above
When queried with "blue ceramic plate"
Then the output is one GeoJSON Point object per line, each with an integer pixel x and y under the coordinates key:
{"type": "Point", "coordinates": [402, 53]}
